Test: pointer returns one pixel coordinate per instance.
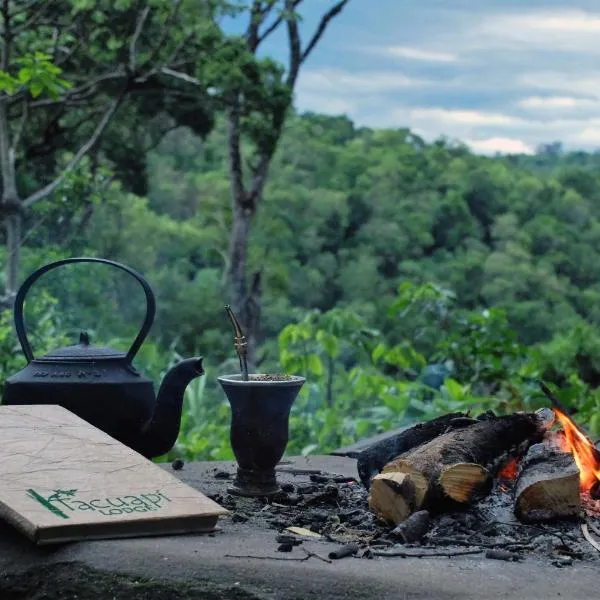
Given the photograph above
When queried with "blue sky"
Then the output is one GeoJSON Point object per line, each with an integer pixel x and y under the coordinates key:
{"type": "Point", "coordinates": [499, 75]}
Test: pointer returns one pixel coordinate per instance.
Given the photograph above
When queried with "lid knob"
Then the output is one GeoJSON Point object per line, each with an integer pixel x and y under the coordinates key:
{"type": "Point", "coordinates": [84, 338]}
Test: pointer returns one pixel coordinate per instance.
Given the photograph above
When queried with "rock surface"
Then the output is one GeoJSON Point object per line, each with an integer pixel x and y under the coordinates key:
{"type": "Point", "coordinates": [218, 565]}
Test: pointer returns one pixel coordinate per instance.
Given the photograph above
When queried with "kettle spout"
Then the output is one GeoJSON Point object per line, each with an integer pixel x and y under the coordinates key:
{"type": "Point", "coordinates": [159, 436]}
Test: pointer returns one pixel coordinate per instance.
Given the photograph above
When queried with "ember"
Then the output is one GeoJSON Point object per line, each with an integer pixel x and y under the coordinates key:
{"type": "Point", "coordinates": [586, 456]}
{"type": "Point", "coordinates": [510, 470]}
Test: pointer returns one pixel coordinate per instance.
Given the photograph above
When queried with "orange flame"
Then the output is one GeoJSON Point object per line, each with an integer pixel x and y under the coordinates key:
{"type": "Point", "coordinates": [586, 456]}
{"type": "Point", "coordinates": [510, 470]}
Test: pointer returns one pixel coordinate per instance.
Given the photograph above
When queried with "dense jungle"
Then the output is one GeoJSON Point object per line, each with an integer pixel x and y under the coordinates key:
{"type": "Point", "coordinates": [402, 278]}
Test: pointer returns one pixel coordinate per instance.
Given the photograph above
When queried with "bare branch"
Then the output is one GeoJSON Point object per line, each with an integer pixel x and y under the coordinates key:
{"type": "Point", "coordinates": [275, 24]}
{"type": "Point", "coordinates": [295, 47]}
{"type": "Point", "coordinates": [330, 14]}
{"type": "Point", "coordinates": [179, 75]}
{"type": "Point", "coordinates": [74, 95]}
{"type": "Point", "coordinates": [136, 36]}
{"type": "Point", "coordinates": [83, 150]}
{"type": "Point", "coordinates": [257, 16]}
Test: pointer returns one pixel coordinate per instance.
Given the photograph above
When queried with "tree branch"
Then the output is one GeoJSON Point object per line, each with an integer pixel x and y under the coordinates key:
{"type": "Point", "coordinates": [295, 47]}
{"type": "Point", "coordinates": [6, 35]}
{"type": "Point", "coordinates": [166, 31]}
{"type": "Point", "coordinates": [275, 24]}
{"type": "Point", "coordinates": [83, 150]}
{"type": "Point", "coordinates": [136, 36]}
{"type": "Point", "coordinates": [33, 18]}
{"type": "Point", "coordinates": [330, 14]}
{"type": "Point", "coordinates": [179, 75]}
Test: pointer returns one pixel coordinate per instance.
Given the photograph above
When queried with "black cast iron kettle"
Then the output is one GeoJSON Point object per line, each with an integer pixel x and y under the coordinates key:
{"type": "Point", "coordinates": [101, 385]}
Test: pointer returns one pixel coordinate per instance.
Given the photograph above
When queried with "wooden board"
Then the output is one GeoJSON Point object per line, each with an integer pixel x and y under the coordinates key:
{"type": "Point", "coordinates": [61, 479]}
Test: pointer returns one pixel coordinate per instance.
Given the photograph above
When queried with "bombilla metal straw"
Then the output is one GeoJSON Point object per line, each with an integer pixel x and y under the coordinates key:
{"type": "Point", "coordinates": [240, 343]}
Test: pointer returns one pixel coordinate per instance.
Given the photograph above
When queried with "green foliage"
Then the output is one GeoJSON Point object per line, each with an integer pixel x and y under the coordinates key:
{"type": "Point", "coordinates": [37, 74]}
{"type": "Point", "coordinates": [381, 255]}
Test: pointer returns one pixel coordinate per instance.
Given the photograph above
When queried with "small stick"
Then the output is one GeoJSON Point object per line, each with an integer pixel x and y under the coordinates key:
{"type": "Point", "coordinates": [490, 545]}
{"type": "Point", "coordinates": [588, 537]}
{"type": "Point", "coordinates": [343, 551]}
{"type": "Point", "coordinates": [296, 559]}
{"type": "Point", "coordinates": [497, 554]}
{"type": "Point", "coordinates": [425, 554]}
{"type": "Point", "coordinates": [553, 399]}
{"type": "Point", "coordinates": [593, 528]}
{"type": "Point", "coordinates": [241, 345]}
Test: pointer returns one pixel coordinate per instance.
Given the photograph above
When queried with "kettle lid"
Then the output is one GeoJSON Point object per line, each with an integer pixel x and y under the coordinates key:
{"type": "Point", "coordinates": [82, 351]}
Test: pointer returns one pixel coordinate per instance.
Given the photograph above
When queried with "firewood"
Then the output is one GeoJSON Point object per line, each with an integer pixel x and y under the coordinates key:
{"type": "Point", "coordinates": [548, 485]}
{"type": "Point", "coordinates": [413, 529]}
{"type": "Point", "coordinates": [454, 468]}
{"type": "Point", "coordinates": [373, 459]}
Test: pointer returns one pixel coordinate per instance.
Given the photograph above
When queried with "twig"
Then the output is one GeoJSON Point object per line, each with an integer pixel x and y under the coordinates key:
{"type": "Point", "coordinates": [491, 545]}
{"type": "Point", "coordinates": [553, 399]}
{"type": "Point", "coordinates": [595, 529]}
{"type": "Point", "coordinates": [588, 537]}
{"type": "Point", "coordinates": [83, 150]}
{"type": "Point", "coordinates": [266, 557]}
{"type": "Point", "coordinates": [295, 559]}
{"type": "Point", "coordinates": [293, 471]}
{"type": "Point", "coordinates": [403, 554]}
{"type": "Point", "coordinates": [136, 36]}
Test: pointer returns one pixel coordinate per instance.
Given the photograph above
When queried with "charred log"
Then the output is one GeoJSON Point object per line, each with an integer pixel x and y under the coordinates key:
{"type": "Point", "coordinates": [373, 459]}
{"type": "Point", "coordinates": [454, 468]}
{"type": "Point", "coordinates": [548, 485]}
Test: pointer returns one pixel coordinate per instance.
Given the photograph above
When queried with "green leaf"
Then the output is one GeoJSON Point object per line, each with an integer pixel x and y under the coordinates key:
{"type": "Point", "coordinates": [314, 364]}
{"type": "Point", "coordinates": [329, 343]}
{"type": "Point", "coordinates": [35, 89]}
{"type": "Point", "coordinates": [454, 388]}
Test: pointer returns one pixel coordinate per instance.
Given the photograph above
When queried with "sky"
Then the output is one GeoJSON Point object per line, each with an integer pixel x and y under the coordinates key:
{"type": "Point", "coordinates": [499, 75]}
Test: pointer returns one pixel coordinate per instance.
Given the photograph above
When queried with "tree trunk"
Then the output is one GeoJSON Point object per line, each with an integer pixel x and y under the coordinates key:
{"type": "Point", "coordinates": [243, 297]}
{"type": "Point", "coordinates": [13, 251]}
{"type": "Point", "coordinates": [10, 208]}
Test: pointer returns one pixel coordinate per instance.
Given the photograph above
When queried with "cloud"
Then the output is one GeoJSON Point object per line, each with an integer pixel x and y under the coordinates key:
{"type": "Point", "coordinates": [565, 30]}
{"type": "Point", "coordinates": [506, 77]}
{"type": "Point", "coordinates": [452, 117]}
{"type": "Point", "coordinates": [557, 102]}
{"type": "Point", "coordinates": [412, 53]}
{"type": "Point", "coordinates": [586, 83]}
{"type": "Point", "coordinates": [342, 82]}
{"type": "Point", "coordinates": [499, 145]}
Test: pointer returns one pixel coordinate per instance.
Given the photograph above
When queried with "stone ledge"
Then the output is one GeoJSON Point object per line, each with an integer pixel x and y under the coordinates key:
{"type": "Point", "coordinates": [197, 564]}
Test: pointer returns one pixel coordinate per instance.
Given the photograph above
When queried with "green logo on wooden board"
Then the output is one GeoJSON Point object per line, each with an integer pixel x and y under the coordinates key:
{"type": "Point", "coordinates": [63, 503]}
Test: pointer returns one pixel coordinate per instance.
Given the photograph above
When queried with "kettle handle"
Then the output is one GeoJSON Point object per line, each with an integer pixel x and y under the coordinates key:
{"type": "Point", "coordinates": [20, 299]}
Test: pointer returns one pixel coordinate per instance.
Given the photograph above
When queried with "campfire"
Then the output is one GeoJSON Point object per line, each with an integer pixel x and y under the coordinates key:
{"type": "Point", "coordinates": [542, 461]}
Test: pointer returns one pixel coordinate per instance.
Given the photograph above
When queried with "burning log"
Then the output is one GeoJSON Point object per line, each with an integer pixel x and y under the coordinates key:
{"type": "Point", "coordinates": [454, 467]}
{"type": "Point", "coordinates": [373, 459]}
{"type": "Point", "coordinates": [548, 485]}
